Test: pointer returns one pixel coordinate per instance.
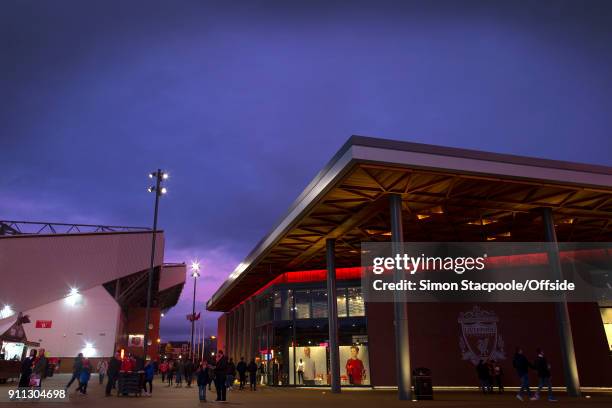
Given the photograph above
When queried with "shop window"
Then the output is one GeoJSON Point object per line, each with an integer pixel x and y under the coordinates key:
{"type": "Point", "coordinates": [356, 306]}
{"type": "Point", "coordinates": [302, 304]}
{"type": "Point", "coordinates": [341, 302]}
{"type": "Point", "coordinates": [319, 304]}
{"type": "Point", "coordinates": [606, 317]}
{"type": "Point", "coordinates": [287, 305]}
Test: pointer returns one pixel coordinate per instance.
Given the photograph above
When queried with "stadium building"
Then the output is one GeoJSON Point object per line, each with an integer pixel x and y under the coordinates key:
{"type": "Point", "coordinates": [373, 190]}
{"type": "Point", "coordinates": [73, 289]}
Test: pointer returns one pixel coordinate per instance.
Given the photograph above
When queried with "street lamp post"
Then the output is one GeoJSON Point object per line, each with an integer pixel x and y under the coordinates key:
{"type": "Point", "coordinates": [195, 272]}
{"type": "Point", "coordinates": [159, 176]}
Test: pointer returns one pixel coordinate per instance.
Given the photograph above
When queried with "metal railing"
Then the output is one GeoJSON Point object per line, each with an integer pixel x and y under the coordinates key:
{"type": "Point", "coordinates": [9, 227]}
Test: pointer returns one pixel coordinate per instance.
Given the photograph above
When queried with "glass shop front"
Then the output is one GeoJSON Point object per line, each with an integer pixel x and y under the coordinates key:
{"type": "Point", "coordinates": [292, 335]}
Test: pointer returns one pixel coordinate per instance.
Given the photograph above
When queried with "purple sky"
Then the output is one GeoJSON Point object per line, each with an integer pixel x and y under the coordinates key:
{"type": "Point", "coordinates": [244, 101]}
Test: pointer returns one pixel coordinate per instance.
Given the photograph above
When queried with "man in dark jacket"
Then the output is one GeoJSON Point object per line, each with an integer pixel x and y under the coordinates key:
{"type": "Point", "coordinates": [252, 369]}
{"type": "Point", "coordinates": [188, 372]}
{"type": "Point", "coordinates": [114, 365]}
{"type": "Point", "coordinates": [220, 376]}
{"type": "Point", "coordinates": [76, 370]}
{"type": "Point", "coordinates": [242, 369]}
{"type": "Point", "coordinates": [521, 365]}
{"type": "Point", "coordinates": [543, 368]}
{"type": "Point", "coordinates": [482, 370]}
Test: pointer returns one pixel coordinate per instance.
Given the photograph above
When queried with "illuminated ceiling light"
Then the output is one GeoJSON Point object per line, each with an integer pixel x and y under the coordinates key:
{"type": "Point", "coordinates": [437, 210]}
{"type": "Point", "coordinates": [73, 292]}
{"type": "Point", "coordinates": [7, 311]}
{"type": "Point", "coordinates": [423, 216]}
{"type": "Point", "coordinates": [567, 221]}
{"type": "Point", "coordinates": [505, 234]}
{"type": "Point", "coordinates": [491, 238]}
{"type": "Point", "coordinates": [377, 231]}
{"type": "Point", "coordinates": [484, 221]}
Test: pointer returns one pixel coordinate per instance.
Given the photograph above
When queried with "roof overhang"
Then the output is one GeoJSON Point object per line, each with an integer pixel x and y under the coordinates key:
{"type": "Point", "coordinates": [458, 194]}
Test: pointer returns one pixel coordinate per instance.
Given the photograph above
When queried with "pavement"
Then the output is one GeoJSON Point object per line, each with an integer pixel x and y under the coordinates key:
{"type": "Point", "coordinates": [271, 397]}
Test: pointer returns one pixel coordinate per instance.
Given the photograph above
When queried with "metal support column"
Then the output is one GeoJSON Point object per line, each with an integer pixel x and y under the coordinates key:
{"type": "Point", "coordinates": [402, 344]}
{"type": "Point", "coordinates": [332, 316]}
{"type": "Point", "coordinates": [564, 326]}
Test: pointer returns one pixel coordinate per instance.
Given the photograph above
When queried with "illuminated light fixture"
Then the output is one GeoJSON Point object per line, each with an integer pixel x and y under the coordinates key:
{"type": "Point", "coordinates": [423, 216]}
{"type": "Point", "coordinates": [7, 311]}
{"type": "Point", "coordinates": [484, 221]}
{"type": "Point", "coordinates": [567, 221]}
{"type": "Point", "coordinates": [74, 297]}
{"type": "Point", "coordinates": [437, 210]}
{"type": "Point", "coordinates": [505, 234]}
{"type": "Point", "coordinates": [151, 175]}
{"type": "Point", "coordinates": [491, 238]}
{"type": "Point", "coordinates": [159, 340]}
{"type": "Point", "coordinates": [213, 337]}
{"type": "Point", "coordinates": [162, 315]}
{"type": "Point", "coordinates": [195, 269]}
{"type": "Point", "coordinates": [378, 231]}
{"type": "Point", "coordinates": [150, 189]}
{"type": "Point", "coordinates": [88, 350]}
{"type": "Point", "coordinates": [165, 176]}
{"type": "Point", "coordinates": [164, 190]}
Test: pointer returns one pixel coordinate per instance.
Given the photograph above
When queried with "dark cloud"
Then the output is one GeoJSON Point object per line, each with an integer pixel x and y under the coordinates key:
{"type": "Point", "coordinates": [245, 101]}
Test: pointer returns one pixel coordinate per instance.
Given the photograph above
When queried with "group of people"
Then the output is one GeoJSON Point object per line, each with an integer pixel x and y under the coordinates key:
{"type": "Point", "coordinates": [33, 369]}
{"type": "Point", "coordinates": [176, 371]}
{"type": "Point", "coordinates": [222, 372]}
{"type": "Point", "coordinates": [491, 374]}
{"type": "Point", "coordinates": [522, 365]}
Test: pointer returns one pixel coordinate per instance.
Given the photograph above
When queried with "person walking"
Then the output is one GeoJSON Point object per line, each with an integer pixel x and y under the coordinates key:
{"type": "Point", "coordinates": [76, 369]}
{"type": "Point", "coordinates": [521, 364]}
{"type": "Point", "coordinates": [230, 374]}
{"type": "Point", "coordinates": [102, 368]}
{"type": "Point", "coordinates": [242, 369]}
{"type": "Point", "coordinates": [84, 376]}
{"type": "Point", "coordinates": [497, 376]}
{"type": "Point", "coordinates": [542, 366]}
{"type": "Point", "coordinates": [202, 379]}
{"type": "Point", "coordinates": [114, 366]}
{"type": "Point", "coordinates": [171, 371]}
{"type": "Point", "coordinates": [220, 371]}
{"type": "Point", "coordinates": [26, 369]}
{"type": "Point", "coordinates": [180, 373]}
{"type": "Point", "coordinates": [252, 369]}
{"type": "Point", "coordinates": [39, 369]}
{"type": "Point", "coordinates": [188, 372]}
{"type": "Point", "coordinates": [482, 370]}
{"type": "Point", "coordinates": [149, 373]}
{"type": "Point", "coordinates": [163, 369]}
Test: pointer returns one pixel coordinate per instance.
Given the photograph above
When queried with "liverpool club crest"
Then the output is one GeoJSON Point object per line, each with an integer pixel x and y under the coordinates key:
{"type": "Point", "coordinates": [479, 339]}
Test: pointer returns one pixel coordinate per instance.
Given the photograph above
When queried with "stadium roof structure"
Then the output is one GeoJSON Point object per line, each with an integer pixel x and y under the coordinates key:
{"type": "Point", "coordinates": [39, 265]}
{"type": "Point", "coordinates": [448, 194]}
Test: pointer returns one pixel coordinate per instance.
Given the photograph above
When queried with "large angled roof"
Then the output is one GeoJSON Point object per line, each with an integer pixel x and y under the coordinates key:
{"type": "Point", "coordinates": [36, 269]}
{"type": "Point", "coordinates": [449, 194]}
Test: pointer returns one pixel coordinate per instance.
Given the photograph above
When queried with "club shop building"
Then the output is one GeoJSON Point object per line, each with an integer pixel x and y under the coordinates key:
{"type": "Point", "coordinates": [275, 302]}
